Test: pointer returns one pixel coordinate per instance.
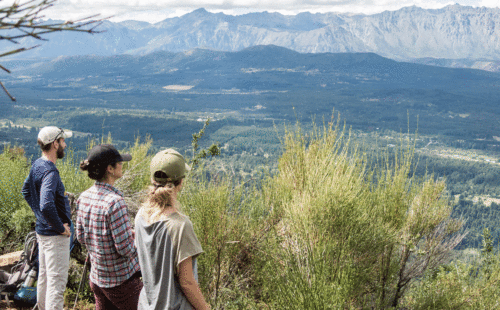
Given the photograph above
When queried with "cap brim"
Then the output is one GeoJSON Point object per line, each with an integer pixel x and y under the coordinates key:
{"type": "Point", "coordinates": [67, 134]}
{"type": "Point", "coordinates": [126, 157]}
{"type": "Point", "coordinates": [188, 168]}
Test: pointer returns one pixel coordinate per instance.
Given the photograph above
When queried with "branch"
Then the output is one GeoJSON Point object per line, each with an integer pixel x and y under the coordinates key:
{"type": "Point", "coordinates": [5, 69]}
{"type": "Point", "coordinates": [26, 18]}
{"type": "Point", "coordinates": [7, 92]}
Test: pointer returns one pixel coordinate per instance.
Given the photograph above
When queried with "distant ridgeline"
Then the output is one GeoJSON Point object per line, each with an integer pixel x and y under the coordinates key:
{"type": "Point", "coordinates": [466, 36]}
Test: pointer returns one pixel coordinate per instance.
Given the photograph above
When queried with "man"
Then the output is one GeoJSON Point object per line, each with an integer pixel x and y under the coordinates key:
{"type": "Point", "coordinates": [44, 192]}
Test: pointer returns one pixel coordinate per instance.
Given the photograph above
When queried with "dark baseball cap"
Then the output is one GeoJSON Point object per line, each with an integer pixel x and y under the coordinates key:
{"type": "Point", "coordinates": [106, 154]}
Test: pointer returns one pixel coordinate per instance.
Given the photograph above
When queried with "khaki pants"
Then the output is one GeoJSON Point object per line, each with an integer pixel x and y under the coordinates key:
{"type": "Point", "coordinates": [53, 256]}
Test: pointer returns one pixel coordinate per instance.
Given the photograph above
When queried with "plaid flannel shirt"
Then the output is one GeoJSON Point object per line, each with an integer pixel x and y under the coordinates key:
{"type": "Point", "coordinates": [103, 226]}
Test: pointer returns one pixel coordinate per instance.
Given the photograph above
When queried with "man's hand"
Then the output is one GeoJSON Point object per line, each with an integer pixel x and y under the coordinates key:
{"type": "Point", "coordinates": [67, 230]}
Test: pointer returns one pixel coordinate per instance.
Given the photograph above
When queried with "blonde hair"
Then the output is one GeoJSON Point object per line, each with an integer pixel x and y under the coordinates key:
{"type": "Point", "coordinates": [160, 198]}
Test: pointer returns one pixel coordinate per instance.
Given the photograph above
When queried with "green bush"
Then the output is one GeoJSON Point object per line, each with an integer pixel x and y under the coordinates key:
{"type": "Point", "coordinates": [136, 175]}
{"type": "Point", "coordinates": [75, 180]}
{"type": "Point", "coordinates": [228, 221]}
{"type": "Point", "coordinates": [13, 171]}
{"type": "Point", "coordinates": [354, 233]}
{"type": "Point", "coordinates": [23, 220]}
{"type": "Point", "coordinates": [468, 283]}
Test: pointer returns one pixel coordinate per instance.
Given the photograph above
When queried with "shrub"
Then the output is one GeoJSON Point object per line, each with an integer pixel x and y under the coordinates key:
{"type": "Point", "coordinates": [354, 233]}
{"type": "Point", "coordinates": [228, 222]}
{"type": "Point", "coordinates": [468, 283]}
{"type": "Point", "coordinates": [13, 171]}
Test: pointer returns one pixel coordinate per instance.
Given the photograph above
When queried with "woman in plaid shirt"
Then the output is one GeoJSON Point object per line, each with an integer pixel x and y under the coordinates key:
{"type": "Point", "coordinates": [103, 226]}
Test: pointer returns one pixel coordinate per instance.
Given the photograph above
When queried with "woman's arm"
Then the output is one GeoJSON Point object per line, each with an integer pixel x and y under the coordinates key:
{"type": "Point", "coordinates": [189, 285]}
{"type": "Point", "coordinates": [121, 230]}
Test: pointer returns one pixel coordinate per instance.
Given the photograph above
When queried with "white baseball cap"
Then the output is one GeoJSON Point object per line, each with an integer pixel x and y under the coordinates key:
{"type": "Point", "coordinates": [51, 133]}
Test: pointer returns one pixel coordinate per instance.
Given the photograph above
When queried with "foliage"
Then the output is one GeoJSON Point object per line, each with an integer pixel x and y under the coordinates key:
{"type": "Point", "coordinates": [357, 235]}
{"type": "Point", "coordinates": [22, 19]}
{"type": "Point", "coordinates": [23, 220]}
{"type": "Point", "coordinates": [75, 180]}
{"type": "Point", "coordinates": [478, 217]}
{"type": "Point", "coordinates": [86, 297]}
{"type": "Point", "coordinates": [227, 219]}
{"type": "Point", "coordinates": [13, 171]}
{"type": "Point", "coordinates": [213, 150]}
{"type": "Point", "coordinates": [460, 284]}
{"type": "Point", "coordinates": [136, 174]}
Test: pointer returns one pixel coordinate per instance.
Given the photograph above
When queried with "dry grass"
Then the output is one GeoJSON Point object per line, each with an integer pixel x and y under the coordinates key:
{"type": "Point", "coordinates": [4, 305]}
{"type": "Point", "coordinates": [10, 306]}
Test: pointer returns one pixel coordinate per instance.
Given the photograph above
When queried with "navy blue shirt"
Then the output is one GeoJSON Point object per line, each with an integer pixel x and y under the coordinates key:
{"type": "Point", "coordinates": [44, 192]}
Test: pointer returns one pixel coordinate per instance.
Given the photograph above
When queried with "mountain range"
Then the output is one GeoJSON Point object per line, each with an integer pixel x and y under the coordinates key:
{"type": "Point", "coordinates": [455, 36]}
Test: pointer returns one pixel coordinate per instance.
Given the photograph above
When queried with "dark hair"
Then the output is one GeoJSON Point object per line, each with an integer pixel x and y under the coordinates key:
{"type": "Point", "coordinates": [46, 147]}
{"type": "Point", "coordinates": [95, 171]}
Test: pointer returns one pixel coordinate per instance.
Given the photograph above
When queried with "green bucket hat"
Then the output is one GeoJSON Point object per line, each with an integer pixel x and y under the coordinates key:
{"type": "Point", "coordinates": [171, 163]}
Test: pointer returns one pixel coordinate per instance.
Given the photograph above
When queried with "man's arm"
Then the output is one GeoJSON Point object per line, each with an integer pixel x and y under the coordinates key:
{"type": "Point", "coordinates": [190, 287]}
{"type": "Point", "coordinates": [48, 203]}
{"type": "Point", "coordinates": [25, 191]}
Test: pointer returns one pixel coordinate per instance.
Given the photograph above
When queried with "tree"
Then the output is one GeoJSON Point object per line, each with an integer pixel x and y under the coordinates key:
{"type": "Point", "coordinates": [24, 19]}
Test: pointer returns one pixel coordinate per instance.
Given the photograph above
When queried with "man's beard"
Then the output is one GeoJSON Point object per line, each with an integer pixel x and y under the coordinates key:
{"type": "Point", "coordinates": [60, 152]}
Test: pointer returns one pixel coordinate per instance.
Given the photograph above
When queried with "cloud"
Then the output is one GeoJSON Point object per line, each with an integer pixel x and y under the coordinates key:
{"type": "Point", "coordinates": [157, 10]}
{"type": "Point", "coordinates": [490, 3]}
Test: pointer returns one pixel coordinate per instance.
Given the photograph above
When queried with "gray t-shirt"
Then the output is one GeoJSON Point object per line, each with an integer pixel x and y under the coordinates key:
{"type": "Point", "coordinates": [161, 247]}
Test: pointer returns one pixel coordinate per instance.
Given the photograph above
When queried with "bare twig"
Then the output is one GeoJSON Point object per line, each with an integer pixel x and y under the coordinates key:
{"type": "Point", "coordinates": [24, 20]}
{"type": "Point", "coordinates": [7, 92]}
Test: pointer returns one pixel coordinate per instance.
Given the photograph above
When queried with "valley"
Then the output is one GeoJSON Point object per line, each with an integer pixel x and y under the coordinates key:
{"type": "Point", "coordinates": [251, 98]}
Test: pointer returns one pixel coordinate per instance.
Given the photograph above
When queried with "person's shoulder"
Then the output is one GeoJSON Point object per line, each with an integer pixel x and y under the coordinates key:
{"type": "Point", "coordinates": [179, 220]}
{"type": "Point", "coordinates": [179, 217]}
{"type": "Point", "coordinates": [140, 222]}
{"type": "Point", "coordinates": [115, 201]}
{"type": "Point", "coordinates": [108, 193]}
{"type": "Point", "coordinates": [44, 163]}
{"type": "Point", "coordinates": [115, 204]}
{"type": "Point", "coordinates": [115, 197]}
{"type": "Point", "coordinates": [87, 194]}
{"type": "Point", "coordinates": [44, 167]}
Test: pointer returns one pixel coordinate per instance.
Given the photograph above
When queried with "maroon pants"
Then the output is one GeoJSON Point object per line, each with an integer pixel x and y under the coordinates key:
{"type": "Point", "coordinates": [122, 297]}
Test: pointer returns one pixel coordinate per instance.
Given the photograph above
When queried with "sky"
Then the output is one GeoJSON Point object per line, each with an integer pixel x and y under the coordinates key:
{"type": "Point", "coordinates": [158, 10]}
